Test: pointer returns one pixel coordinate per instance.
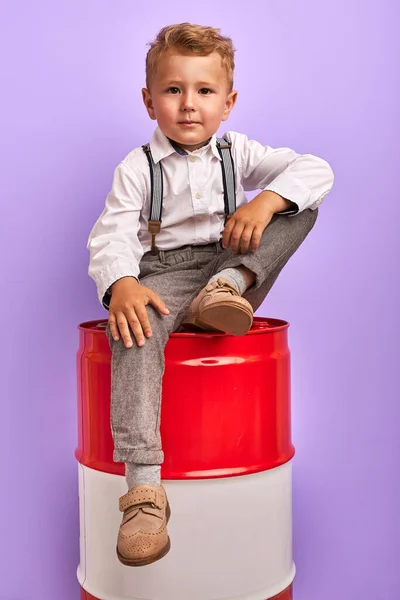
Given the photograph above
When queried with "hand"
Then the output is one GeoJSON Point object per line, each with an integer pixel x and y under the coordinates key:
{"type": "Point", "coordinates": [246, 225]}
{"type": "Point", "coordinates": [128, 307]}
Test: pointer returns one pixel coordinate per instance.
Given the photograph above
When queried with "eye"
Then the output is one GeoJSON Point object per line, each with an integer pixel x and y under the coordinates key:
{"type": "Point", "coordinates": [206, 91]}
{"type": "Point", "coordinates": [173, 90]}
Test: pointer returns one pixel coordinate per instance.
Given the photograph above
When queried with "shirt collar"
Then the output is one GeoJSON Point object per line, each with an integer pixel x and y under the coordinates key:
{"type": "Point", "coordinates": [161, 147]}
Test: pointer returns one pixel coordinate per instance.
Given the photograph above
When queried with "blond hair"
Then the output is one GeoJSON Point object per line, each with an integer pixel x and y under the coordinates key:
{"type": "Point", "coordinates": [190, 39]}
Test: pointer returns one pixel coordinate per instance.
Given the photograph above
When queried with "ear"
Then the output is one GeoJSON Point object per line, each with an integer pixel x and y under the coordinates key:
{"type": "Point", "coordinates": [229, 104]}
{"type": "Point", "coordinates": [148, 103]}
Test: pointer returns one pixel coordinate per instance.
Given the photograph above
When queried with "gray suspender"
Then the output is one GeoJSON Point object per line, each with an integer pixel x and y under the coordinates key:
{"type": "Point", "coordinates": [156, 194]}
{"type": "Point", "coordinates": [228, 176]}
{"type": "Point", "coordinates": [156, 197]}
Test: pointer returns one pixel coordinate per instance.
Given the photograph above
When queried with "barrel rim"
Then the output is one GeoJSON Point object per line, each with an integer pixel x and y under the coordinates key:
{"type": "Point", "coordinates": [272, 325]}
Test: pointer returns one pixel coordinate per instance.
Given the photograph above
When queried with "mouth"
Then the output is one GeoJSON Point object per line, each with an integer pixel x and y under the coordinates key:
{"type": "Point", "coordinates": [188, 123]}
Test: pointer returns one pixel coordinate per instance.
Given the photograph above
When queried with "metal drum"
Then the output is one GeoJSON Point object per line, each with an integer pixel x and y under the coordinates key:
{"type": "Point", "coordinates": [225, 426]}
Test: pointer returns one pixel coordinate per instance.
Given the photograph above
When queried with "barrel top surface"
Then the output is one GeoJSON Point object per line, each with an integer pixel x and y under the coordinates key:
{"type": "Point", "coordinates": [261, 325]}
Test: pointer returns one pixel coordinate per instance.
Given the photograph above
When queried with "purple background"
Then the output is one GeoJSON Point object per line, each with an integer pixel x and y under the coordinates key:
{"type": "Point", "coordinates": [320, 77]}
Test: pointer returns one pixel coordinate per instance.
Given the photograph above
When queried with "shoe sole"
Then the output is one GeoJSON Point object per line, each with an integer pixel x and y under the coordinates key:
{"type": "Point", "coordinates": [235, 320]}
{"type": "Point", "coordinates": [141, 562]}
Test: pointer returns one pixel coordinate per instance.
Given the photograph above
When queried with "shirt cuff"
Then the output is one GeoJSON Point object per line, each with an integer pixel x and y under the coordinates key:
{"type": "Point", "coordinates": [109, 275]}
{"type": "Point", "coordinates": [289, 211]}
{"type": "Point", "coordinates": [291, 189]}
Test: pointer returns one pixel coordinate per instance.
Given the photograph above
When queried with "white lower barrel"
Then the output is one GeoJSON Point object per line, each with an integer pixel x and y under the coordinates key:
{"type": "Point", "coordinates": [230, 539]}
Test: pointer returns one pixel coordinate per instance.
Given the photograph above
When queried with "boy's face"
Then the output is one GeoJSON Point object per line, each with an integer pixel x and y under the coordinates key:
{"type": "Point", "coordinates": [189, 97]}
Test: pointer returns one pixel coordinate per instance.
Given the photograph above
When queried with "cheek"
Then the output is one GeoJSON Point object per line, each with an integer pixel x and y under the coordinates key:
{"type": "Point", "coordinates": [214, 114]}
{"type": "Point", "coordinates": [215, 110]}
{"type": "Point", "coordinates": [165, 108]}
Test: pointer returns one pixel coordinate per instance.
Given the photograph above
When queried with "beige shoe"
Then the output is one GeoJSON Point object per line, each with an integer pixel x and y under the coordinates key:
{"type": "Point", "coordinates": [219, 307]}
{"type": "Point", "coordinates": [143, 536]}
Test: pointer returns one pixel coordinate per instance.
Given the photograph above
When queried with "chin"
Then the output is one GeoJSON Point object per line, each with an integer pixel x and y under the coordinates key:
{"type": "Point", "coordinates": [188, 140]}
{"type": "Point", "coordinates": [191, 139]}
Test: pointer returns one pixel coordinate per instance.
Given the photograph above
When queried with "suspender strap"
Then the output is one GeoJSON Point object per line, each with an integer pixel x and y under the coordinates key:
{"type": "Point", "coordinates": [156, 197]}
{"type": "Point", "coordinates": [157, 187]}
{"type": "Point", "coordinates": [228, 176]}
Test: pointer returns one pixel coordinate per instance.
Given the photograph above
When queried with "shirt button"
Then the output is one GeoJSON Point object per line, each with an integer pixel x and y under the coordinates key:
{"type": "Point", "coordinates": [198, 196]}
{"type": "Point", "coordinates": [192, 158]}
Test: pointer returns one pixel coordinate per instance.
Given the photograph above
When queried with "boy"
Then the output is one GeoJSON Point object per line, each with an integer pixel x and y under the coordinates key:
{"type": "Point", "coordinates": [208, 260]}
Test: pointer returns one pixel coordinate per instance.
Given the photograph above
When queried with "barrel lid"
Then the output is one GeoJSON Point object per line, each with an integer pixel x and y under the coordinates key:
{"type": "Point", "coordinates": [260, 325]}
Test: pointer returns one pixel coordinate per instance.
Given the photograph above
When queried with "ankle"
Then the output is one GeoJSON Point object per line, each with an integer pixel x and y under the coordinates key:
{"type": "Point", "coordinates": [240, 277]}
{"type": "Point", "coordinates": [139, 474]}
{"type": "Point", "coordinates": [248, 275]}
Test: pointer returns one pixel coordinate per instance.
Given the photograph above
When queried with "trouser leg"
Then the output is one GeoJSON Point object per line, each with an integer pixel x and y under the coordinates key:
{"type": "Point", "coordinates": [280, 240]}
{"type": "Point", "coordinates": [137, 371]}
{"type": "Point", "coordinates": [136, 395]}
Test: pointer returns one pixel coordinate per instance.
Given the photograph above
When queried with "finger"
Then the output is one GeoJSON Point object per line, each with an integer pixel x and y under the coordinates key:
{"type": "Point", "coordinates": [124, 329]}
{"type": "Point", "coordinates": [159, 304]}
{"type": "Point", "coordinates": [112, 320]}
{"type": "Point", "coordinates": [256, 237]}
{"type": "Point", "coordinates": [143, 317]}
{"type": "Point", "coordinates": [136, 327]}
{"type": "Point", "coordinates": [226, 237]}
{"type": "Point", "coordinates": [236, 235]}
{"type": "Point", "coordinates": [245, 238]}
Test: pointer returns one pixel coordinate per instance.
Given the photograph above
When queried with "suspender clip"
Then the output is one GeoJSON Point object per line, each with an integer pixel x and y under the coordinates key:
{"type": "Point", "coordinates": [224, 145]}
{"type": "Point", "coordinates": [154, 228]}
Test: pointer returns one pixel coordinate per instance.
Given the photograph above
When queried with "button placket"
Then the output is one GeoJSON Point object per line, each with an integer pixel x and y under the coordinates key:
{"type": "Point", "coordinates": [197, 188]}
{"type": "Point", "coordinates": [191, 162]}
{"type": "Point", "coordinates": [194, 184]}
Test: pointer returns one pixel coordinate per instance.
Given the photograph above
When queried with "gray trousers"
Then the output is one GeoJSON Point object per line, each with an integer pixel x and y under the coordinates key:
{"type": "Point", "coordinates": [177, 276]}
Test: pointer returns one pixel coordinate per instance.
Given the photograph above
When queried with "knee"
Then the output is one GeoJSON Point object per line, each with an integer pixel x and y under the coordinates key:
{"type": "Point", "coordinates": [161, 327]}
{"type": "Point", "coordinates": [305, 220]}
{"type": "Point", "coordinates": [312, 216]}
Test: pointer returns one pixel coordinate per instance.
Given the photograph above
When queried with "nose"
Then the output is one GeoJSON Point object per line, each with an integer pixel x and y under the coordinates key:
{"type": "Point", "coordinates": [187, 102]}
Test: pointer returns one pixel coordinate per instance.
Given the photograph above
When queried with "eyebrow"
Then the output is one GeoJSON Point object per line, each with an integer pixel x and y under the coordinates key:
{"type": "Point", "coordinates": [206, 84]}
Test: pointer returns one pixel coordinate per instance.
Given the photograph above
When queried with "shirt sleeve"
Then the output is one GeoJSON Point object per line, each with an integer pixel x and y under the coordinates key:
{"type": "Point", "coordinates": [115, 250]}
{"type": "Point", "coordinates": [301, 178]}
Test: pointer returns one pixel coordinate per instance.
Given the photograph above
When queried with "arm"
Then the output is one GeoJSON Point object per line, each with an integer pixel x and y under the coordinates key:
{"type": "Point", "coordinates": [115, 250]}
{"type": "Point", "coordinates": [304, 180]}
{"type": "Point", "coordinates": [290, 183]}
{"type": "Point", "coordinates": [115, 253]}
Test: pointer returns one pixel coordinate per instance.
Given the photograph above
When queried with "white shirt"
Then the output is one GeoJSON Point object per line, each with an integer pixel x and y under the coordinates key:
{"type": "Point", "coordinates": [193, 204]}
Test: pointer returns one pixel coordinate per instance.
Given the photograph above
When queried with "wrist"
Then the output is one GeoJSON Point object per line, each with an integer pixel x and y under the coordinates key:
{"type": "Point", "coordinates": [274, 201]}
{"type": "Point", "coordinates": [123, 281]}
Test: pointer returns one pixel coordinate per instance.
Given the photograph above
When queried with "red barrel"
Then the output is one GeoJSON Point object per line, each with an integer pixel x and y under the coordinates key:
{"type": "Point", "coordinates": [215, 434]}
{"type": "Point", "coordinates": [226, 436]}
